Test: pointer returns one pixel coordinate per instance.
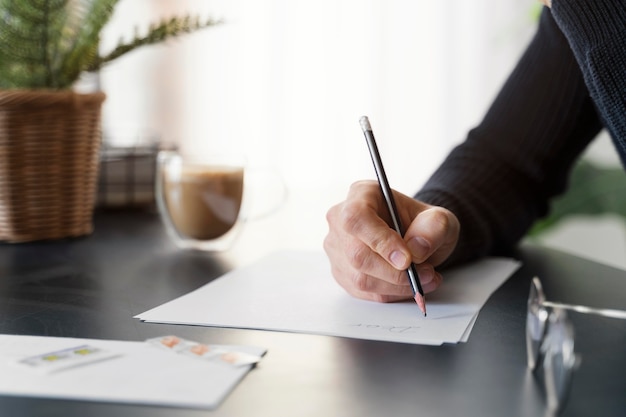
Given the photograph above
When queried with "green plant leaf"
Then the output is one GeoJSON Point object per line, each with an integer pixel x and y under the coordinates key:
{"type": "Point", "coordinates": [85, 25]}
{"type": "Point", "coordinates": [29, 30]}
{"type": "Point", "coordinates": [49, 43]}
{"type": "Point", "coordinates": [157, 33]}
{"type": "Point", "coordinates": [593, 191]}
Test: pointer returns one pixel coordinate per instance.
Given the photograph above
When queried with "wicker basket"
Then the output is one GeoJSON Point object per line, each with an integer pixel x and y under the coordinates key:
{"type": "Point", "coordinates": [49, 147]}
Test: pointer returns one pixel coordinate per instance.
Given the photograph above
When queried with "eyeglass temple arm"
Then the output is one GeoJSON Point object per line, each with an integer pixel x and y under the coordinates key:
{"type": "Point", "coordinates": [604, 312]}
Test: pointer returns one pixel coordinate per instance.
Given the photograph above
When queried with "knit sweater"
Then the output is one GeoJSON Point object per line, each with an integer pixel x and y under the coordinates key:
{"type": "Point", "coordinates": [596, 32]}
{"type": "Point", "coordinates": [568, 85]}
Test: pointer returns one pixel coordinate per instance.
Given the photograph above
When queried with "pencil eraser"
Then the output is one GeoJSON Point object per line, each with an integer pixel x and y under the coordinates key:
{"type": "Point", "coordinates": [365, 123]}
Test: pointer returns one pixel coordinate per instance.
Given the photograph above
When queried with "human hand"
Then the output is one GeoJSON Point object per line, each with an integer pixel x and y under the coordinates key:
{"type": "Point", "coordinates": [369, 259]}
{"type": "Point", "coordinates": [546, 2]}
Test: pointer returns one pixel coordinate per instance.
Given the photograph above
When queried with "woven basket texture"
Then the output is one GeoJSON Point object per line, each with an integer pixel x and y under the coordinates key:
{"type": "Point", "coordinates": [49, 152]}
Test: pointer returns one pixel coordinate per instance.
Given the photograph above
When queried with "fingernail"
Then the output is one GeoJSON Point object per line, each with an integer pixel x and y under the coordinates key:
{"type": "Point", "coordinates": [425, 275]}
{"type": "Point", "coordinates": [398, 259]}
{"type": "Point", "coordinates": [419, 248]}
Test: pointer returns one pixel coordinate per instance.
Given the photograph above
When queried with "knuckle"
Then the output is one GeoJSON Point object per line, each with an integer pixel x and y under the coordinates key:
{"type": "Point", "coordinates": [444, 218]}
{"type": "Point", "coordinates": [361, 282]}
{"type": "Point", "coordinates": [379, 242]}
{"type": "Point", "coordinates": [334, 270]}
{"type": "Point", "coordinates": [350, 217]}
{"type": "Point", "coordinates": [381, 298]}
{"type": "Point", "coordinates": [331, 215]}
{"type": "Point", "coordinates": [327, 246]}
{"type": "Point", "coordinates": [438, 279]}
{"type": "Point", "coordinates": [439, 216]}
{"type": "Point", "coordinates": [359, 257]}
{"type": "Point", "coordinates": [361, 186]}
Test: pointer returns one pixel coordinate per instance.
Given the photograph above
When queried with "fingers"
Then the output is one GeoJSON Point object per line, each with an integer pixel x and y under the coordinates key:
{"type": "Point", "coordinates": [369, 259]}
{"type": "Point", "coordinates": [381, 282]}
{"type": "Point", "coordinates": [361, 271]}
{"type": "Point", "coordinates": [359, 219]}
{"type": "Point", "coordinates": [429, 278]}
{"type": "Point", "coordinates": [432, 235]}
{"type": "Point", "coordinates": [359, 250]}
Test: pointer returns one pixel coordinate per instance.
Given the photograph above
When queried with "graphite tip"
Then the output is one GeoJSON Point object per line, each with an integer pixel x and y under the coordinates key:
{"type": "Point", "coordinates": [421, 303]}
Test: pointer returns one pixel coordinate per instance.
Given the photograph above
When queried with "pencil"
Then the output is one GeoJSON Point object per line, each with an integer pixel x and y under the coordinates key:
{"type": "Point", "coordinates": [418, 293]}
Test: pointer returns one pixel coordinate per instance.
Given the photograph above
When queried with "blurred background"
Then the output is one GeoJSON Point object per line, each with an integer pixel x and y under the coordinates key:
{"type": "Point", "coordinates": [287, 80]}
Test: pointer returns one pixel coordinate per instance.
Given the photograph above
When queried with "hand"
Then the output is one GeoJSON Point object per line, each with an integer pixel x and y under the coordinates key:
{"type": "Point", "coordinates": [369, 259]}
{"type": "Point", "coordinates": [546, 2]}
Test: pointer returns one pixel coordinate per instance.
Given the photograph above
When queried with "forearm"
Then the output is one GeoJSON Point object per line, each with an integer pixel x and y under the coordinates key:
{"type": "Point", "coordinates": [499, 181]}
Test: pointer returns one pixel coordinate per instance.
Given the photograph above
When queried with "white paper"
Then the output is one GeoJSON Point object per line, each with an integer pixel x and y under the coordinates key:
{"type": "Point", "coordinates": [295, 292]}
{"type": "Point", "coordinates": [141, 374]}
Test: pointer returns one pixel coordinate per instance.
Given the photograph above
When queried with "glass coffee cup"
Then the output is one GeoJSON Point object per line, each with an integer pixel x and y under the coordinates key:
{"type": "Point", "coordinates": [202, 201]}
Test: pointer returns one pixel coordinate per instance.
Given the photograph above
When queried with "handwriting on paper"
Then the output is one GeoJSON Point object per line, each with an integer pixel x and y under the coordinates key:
{"type": "Point", "coordinates": [387, 328]}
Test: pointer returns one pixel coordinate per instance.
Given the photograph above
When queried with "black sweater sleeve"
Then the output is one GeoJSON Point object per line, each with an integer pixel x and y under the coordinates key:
{"type": "Point", "coordinates": [499, 181]}
{"type": "Point", "coordinates": [596, 32]}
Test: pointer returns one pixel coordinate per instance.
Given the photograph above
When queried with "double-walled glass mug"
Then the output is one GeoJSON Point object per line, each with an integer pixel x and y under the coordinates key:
{"type": "Point", "coordinates": [203, 200]}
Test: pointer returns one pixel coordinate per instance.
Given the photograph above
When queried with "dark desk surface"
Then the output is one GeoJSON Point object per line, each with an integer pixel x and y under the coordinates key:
{"type": "Point", "coordinates": [92, 287]}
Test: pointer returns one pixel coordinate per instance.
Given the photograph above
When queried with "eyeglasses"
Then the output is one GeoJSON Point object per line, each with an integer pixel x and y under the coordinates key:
{"type": "Point", "coordinates": [550, 342]}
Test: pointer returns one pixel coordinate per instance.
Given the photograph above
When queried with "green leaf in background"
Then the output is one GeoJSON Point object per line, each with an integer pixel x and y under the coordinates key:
{"type": "Point", "coordinates": [594, 190]}
{"type": "Point", "coordinates": [49, 43]}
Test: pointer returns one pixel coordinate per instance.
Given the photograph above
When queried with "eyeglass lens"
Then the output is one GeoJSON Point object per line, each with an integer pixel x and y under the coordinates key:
{"type": "Point", "coordinates": [559, 358]}
{"type": "Point", "coordinates": [550, 342]}
{"type": "Point", "coordinates": [536, 323]}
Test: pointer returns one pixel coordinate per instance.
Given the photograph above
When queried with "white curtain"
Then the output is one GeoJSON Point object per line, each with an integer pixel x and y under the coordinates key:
{"type": "Point", "coordinates": [287, 80]}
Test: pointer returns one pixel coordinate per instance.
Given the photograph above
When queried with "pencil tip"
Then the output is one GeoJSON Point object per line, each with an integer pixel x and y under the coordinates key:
{"type": "Point", "coordinates": [421, 303]}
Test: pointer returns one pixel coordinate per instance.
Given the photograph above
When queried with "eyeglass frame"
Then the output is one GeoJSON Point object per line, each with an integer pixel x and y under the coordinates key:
{"type": "Point", "coordinates": [550, 345]}
{"type": "Point", "coordinates": [552, 315]}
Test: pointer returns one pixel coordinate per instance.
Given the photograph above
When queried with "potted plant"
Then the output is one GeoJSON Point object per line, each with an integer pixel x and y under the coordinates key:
{"type": "Point", "coordinates": [49, 134]}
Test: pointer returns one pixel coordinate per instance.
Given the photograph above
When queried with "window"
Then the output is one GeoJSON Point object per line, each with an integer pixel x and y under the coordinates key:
{"type": "Point", "coordinates": [287, 80]}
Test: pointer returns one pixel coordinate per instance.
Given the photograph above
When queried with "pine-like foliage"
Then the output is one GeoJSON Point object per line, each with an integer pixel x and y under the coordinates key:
{"type": "Point", "coordinates": [49, 43]}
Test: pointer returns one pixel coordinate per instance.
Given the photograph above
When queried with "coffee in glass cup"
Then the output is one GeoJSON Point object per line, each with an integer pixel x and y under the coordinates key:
{"type": "Point", "coordinates": [201, 201]}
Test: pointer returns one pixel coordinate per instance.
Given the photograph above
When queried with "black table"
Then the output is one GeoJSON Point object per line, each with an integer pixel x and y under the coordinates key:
{"type": "Point", "coordinates": [92, 287]}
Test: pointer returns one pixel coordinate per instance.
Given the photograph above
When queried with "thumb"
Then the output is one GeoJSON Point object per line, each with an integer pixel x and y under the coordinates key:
{"type": "Point", "coordinates": [433, 235]}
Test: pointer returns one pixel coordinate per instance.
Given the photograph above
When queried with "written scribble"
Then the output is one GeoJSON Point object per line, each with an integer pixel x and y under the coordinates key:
{"type": "Point", "coordinates": [387, 328]}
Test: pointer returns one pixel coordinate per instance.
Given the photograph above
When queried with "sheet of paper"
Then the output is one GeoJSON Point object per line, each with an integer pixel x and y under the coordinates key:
{"type": "Point", "coordinates": [138, 374]}
{"type": "Point", "coordinates": [295, 292]}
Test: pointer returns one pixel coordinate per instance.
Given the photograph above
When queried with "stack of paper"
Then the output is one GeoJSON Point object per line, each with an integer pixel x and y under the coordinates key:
{"type": "Point", "coordinates": [295, 292]}
{"type": "Point", "coordinates": [121, 372]}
